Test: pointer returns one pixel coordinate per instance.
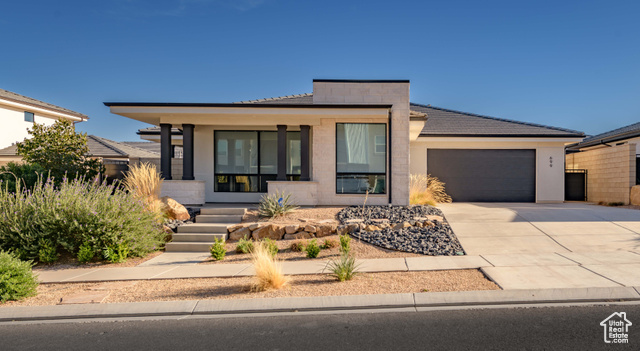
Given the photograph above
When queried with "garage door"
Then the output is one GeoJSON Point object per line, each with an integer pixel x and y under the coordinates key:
{"type": "Point", "coordinates": [485, 175]}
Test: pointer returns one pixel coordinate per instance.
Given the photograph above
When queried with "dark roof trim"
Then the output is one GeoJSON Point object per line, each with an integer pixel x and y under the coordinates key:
{"type": "Point", "coordinates": [610, 139]}
{"type": "Point", "coordinates": [236, 105]}
{"type": "Point", "coordinates": [418, 118]}
{"type": "Point", "coordinates": [501, 135]}
{"type": "Point", "coordinates": [361, 80]}
{"type": "Point", "coordinates": [153, 132]}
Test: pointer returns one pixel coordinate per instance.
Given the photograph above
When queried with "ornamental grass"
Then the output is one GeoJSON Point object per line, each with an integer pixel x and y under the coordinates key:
{"type": "Point", "coordinates": [427, 190]}
{"type": "Point", "coordinates": [268, 269]}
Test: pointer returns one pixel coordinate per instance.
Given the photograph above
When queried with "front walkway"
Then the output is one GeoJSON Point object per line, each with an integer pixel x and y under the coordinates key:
{"type": "Point", "coordinates": [537, 246]}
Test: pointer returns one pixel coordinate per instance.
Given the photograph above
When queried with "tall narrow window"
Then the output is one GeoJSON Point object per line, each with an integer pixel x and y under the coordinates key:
{"type": "Point", "coordinates": [28, 116]}
{"type": "Point", "coordinates": [361, 158]}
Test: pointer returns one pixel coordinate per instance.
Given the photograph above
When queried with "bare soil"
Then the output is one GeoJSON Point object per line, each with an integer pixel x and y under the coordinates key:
{"type": "Point", "coordinates": [67, 261]}
{"type": "Point", "coordinates": [360, 249]}
{"type": "Point", "coordinates": [239, 287]}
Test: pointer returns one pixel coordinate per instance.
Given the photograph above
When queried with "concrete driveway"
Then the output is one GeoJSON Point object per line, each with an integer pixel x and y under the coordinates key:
{"type": "Point", "coordinates": [550, 245]}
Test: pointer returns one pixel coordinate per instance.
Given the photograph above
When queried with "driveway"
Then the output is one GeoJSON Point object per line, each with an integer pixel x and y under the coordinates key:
{"type": "Point", "coordinates": [550, 245]}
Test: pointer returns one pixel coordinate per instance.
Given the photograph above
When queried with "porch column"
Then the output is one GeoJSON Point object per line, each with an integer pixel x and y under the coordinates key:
{"type": "Point", "coordinates": [282, 152]}
{"type": "Point", "coordinates": [304, 153]}
{"type": "Point", "coordinates": [187, 152]}
{"type": "Point", "coordinates": [165, 150]}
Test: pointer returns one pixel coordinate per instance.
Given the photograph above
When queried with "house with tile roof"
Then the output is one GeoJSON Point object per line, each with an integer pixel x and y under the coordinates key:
{"type": "Point", "coordinates": [347, 141]}
{"type": "Point", "coordinates": [609, 162]}
{"type": "Point", "coordinates": [18, 113]}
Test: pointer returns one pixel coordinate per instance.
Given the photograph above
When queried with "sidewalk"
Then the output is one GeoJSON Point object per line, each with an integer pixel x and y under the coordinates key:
{"type": "Point", "coordinates": [186, 268]}
{"type": "Point", "coordinates": [416, 302]}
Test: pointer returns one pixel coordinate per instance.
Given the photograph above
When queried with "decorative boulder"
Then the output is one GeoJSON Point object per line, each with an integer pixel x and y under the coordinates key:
{"type": "Point", "coordinates": [310, 228]}
{"type": "Point", "coordinates": [271, 231]}
{"type": "Point", "coordinates": [435, 218]}
{"type": "Point", "coordinates": [400, 226]}
{"type": "Point", "coordinates": [291, 229]}
{"type": "Point", "coordinates": [242, 233]}
{"type": "Point", "coordinates": [232, 228]}
{"type": "Point", "coordinates": [174, 209]}
{"type": "Point", "coordinates": [297, 236]}
{"type": "Point", "coordinates": [342, 230]}
{"type": "Point", "coordinates": [325, 230]}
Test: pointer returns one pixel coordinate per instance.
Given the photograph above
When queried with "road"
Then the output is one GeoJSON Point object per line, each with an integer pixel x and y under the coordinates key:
{"type": "Point", "coordinates": [550, 328]}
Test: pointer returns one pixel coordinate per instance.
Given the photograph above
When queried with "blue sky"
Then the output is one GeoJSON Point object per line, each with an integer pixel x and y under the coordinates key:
{"type": "Point", "coordinates": [573, 64]}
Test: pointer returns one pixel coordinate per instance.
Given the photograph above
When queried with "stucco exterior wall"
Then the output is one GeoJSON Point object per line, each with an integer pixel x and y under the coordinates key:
{"type": "Point", "coordinates": [611, 172]}
{"type": "Point", "coordinates": [14, 127]}
{"type": "Point", "coordinates": [549, 159]}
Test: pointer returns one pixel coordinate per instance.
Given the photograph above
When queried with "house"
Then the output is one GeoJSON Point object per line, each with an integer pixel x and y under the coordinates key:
{"type": "Point", "coordinates": [609, 163]}
{"type": "Point", "coordinates": [347, 141]}
{"type": "Point", "coordinates": [18, 113]}
{"type": "Point", "coordinates": [115, 156]}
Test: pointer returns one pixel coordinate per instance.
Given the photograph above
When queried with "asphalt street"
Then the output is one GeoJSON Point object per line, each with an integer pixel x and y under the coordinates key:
{"type": "Point", "coordinates": [540, 328]}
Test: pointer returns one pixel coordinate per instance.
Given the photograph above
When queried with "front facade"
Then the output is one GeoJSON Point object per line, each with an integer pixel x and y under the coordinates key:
{"type": "Point", "coordinates": [347, 143]}
{"type": "Point", "coordinates": [18, 113]}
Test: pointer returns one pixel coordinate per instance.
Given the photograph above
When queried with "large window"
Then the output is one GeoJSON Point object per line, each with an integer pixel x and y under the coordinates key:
{"type": "Point", "coordinates": [361, 158]}
{"type": "Point", "coordinates": [246, 160]}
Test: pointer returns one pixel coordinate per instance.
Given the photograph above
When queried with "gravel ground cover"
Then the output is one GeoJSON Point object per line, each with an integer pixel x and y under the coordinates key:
{"type": "Point", "coordinates": [434, 240]}
{"type": "Point", "coordinates": [234, 288]}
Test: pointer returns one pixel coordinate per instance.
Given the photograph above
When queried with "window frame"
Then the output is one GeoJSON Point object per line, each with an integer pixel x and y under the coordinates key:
{"type": "Point", "coordinates": [386, 161]}
{"type": "Point", "coordinates": [258, 174]}
{"type": "Point", "coordinates": [33, 117]}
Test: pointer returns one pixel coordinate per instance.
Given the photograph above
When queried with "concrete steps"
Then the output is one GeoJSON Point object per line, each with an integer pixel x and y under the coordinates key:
{"type": "Point", "coordinates": [211, 224]}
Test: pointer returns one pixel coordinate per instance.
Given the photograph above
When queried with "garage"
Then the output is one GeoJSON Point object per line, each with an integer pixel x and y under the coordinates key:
{"type": "Point", "coordinates": [485, 175]}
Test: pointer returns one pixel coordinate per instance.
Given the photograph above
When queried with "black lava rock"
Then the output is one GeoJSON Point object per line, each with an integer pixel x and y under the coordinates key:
{"type": "Point", "coordinates": [434, 240]}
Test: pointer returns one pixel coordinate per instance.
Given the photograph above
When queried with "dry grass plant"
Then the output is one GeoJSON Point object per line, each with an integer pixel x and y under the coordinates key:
{"type": "Point", "coordinates": [427, 190]}
{"type": "Point", "coordinates": [143, 181]}
{"type": "Point", "coordinates": [268, 269]}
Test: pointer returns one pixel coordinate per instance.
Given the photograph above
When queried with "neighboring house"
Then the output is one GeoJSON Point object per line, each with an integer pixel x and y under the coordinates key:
{"type": "Point", "coordinates": [114, 155]}
{"type": "Point", "coordinates": [350, 140]}
{"type": "Point", "coordinates": [610, 163]}
{"type": "Point", "coordinates": [18, 113]}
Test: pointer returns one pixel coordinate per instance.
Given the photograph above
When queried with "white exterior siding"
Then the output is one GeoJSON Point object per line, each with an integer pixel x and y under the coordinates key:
{"type": "Point", "coordinates": [14, 127]}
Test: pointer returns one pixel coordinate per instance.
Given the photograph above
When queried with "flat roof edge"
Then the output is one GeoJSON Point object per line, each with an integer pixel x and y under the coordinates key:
{"type": "Point", "coordinates": [361, 80]}
{"type": "Point", "coordinates": [235, 105]}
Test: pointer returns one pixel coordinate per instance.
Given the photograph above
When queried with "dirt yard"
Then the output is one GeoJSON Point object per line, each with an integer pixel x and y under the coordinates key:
{"type": "Point", "coordinates": [239, 288]}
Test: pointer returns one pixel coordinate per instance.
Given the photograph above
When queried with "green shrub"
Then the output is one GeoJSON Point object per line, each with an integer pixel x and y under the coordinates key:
{"type": "Point", "coordinates": [25, 173]}
{"type": "Point", "coordinates": [343, 268]}
{"type": "Point", "coordinates": [345, 244]}
{"type": "Point", "coordinates": [312, 249]}
{"type": "Point", "coordinates": [17, 281]}
{"type": "Point", "coordinates": [85, 253]}
{"type": "Point", "coordinates": [329, 244]}
{"type": "Point", "coordinates": [218, 250]}
{"type": "Point", "coordinates": [244, 246]}
{"type": "Point", "coordinates": [297, 246]}
{"type": "Point", "coordinates": [275, 205]}
{"type": "Point", "coordinates": [48, 252]}
{"type": "Point", "coordinates": [271, 246]}
{"type": "Point", "coordinates": [117, 253]}
{"type": "Point", "coordinates": [76, 213]}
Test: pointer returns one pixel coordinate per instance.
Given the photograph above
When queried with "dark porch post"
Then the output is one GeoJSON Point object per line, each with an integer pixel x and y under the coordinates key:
{"type": "Point", "coordinates": [187, 152]}
{"type": "Point", "coordinates": [304, 153]}
{"type": "Point", "coordinates": [165, 150]}
{"type": "Point", "coordinates": [282, 152]}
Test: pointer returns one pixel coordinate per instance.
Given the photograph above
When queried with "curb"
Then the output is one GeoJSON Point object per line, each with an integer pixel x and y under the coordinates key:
{"type": "Point", "coordinates": [416, 301]}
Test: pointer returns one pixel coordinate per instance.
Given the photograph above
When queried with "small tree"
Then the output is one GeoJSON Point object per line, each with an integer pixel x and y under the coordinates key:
{"type": "Point", "coordinates": [59, 150]}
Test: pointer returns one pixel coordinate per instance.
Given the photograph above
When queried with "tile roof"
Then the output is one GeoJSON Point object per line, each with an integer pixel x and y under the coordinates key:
{"type": "Point", "coordinates": [144, 145]}
{"type": "Point", "coordinates": [446, 122]}
{"type": "Point", "coordinates": [101, 147]}
{"type": "Point", "coordinates": [443, 122]}
{"type": "Point", "coordinates": [8, 95]}
{"type": "Point", "coordinates": [630, 131]}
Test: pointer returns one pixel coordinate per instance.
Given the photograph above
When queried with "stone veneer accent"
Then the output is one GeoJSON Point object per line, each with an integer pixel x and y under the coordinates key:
{"type": "Point", "coordinates": [324, 144]}
{"type": "Point", "coordinates": [186, 192]}
{"type": "Point", "coordinates": [611, 172]}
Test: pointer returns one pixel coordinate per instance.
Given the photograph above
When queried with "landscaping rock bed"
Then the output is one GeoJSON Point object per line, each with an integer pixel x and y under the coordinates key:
{"type": "Point", "coordinates": [173, 224]}
{"type": "Point", "coordinates": [417, 229]}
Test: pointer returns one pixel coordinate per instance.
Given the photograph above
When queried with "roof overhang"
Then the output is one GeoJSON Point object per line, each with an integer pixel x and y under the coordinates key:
{"type": "Point", "coordinates": [564, 140]}
{"type": "Point", "coordinates": [18, 105]}
{"type": "Point", "coordinates": [602, 142]}
{"type": "Point", "coordinates": [242, 114]}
